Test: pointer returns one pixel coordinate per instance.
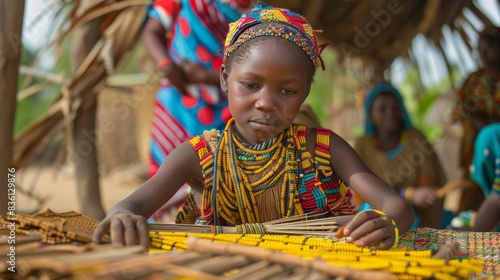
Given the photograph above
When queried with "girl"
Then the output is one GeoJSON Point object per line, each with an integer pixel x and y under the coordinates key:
{"type": "Point", "coordinates": [262, 167]}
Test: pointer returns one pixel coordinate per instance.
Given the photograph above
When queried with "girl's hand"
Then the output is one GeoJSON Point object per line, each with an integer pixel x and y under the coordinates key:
{"type": "Point", "coordinates": [125, 228]}
{"type": "Point", "coordinates": [424, 196]}
{"type": "Point", "coordinates": [371, 228]}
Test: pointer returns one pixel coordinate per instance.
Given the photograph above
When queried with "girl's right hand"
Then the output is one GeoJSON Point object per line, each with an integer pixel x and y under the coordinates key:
{"type": "Point", "coordinates": [125, 228]}
{"type": "Point", "coordinates": [371, 228]}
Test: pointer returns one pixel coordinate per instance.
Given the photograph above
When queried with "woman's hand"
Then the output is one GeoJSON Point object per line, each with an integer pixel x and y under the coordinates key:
{"type": "Point", "coordinates": [125, 228]}
{"type": "Point", "coordinates": [197, 74]}
{"type": "Point", "coordinates": [175, 74]}
{"type": "Point", "coordinates": [424, 196]}
{"type": "Point", "coordinates": [371, 228]}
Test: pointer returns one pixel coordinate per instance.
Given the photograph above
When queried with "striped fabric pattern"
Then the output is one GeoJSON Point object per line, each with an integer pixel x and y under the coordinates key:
{"type": "Point", "coordinates": [195, 31]}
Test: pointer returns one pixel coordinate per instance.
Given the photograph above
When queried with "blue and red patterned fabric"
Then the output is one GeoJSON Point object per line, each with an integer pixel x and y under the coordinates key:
{"type": "Point", "coordinates": [195, 31]}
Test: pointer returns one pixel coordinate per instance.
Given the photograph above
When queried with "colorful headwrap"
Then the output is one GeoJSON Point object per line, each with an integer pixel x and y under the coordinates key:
{"type": "Point", "coordinates": [378, 89]}
{"type": "Point", "coordinates": [282, 23]}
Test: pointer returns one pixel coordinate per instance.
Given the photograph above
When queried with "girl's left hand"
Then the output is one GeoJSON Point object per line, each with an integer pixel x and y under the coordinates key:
{"type": "Point", "coordinates": [371, 228]}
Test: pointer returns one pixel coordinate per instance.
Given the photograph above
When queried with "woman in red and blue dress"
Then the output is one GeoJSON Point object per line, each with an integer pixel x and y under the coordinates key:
{"type": "Point", "coordinates": [185, 39]}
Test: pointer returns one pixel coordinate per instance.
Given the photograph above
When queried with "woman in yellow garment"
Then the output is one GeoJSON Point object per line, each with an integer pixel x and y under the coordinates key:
{"type": "Point", "coordinates": [399, 154]}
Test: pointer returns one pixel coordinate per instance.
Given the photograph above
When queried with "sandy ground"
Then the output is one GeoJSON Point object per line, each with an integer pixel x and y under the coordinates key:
{"type": "Point", "coordinates": [55, 187]}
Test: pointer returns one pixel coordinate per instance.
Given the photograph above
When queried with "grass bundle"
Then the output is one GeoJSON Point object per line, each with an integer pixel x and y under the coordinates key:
{"type": "Point", "coordinates": [53, 227]}
{"type": "Point", "coordinates": [296, 225]}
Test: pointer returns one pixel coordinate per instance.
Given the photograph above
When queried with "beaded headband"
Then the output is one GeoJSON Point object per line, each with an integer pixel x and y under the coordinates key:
{"type": "Point", "coordinates": [282, 23]}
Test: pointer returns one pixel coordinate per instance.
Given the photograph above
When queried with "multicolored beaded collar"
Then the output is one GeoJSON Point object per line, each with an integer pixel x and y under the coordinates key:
{"type": "Point", "coordinates": [281, 23]}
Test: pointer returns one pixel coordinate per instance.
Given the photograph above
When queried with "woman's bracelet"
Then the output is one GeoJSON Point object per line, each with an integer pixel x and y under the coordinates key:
{"type": "Point", "coordinates": [409, 195]}
{"type": "Point", "coordinates": [396, 230]}
{"type": "Point", "coordinates": [164, 61]}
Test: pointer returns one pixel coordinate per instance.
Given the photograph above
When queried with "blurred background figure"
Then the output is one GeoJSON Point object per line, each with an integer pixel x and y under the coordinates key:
{"type": "Point", "coordinates": [485, 171]}
{"type": "Point", "coordinates": [401, 155]}
{"type": "Point", "coordinates": [185, 40]}
{"type": "Point", "coordinates": [307, 116]}
{"type": "Point", "coordinates": [478, 104]}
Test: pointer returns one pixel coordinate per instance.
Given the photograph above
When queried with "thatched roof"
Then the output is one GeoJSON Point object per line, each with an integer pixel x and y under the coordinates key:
{"type": "Point", "coordinates": [378, 31]}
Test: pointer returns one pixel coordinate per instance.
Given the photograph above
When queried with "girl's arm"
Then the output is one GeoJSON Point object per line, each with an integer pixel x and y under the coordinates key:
{"type": "Point", "coordinates": [368, 228]}
{"type": "Point", "coordinates": [127, 220]}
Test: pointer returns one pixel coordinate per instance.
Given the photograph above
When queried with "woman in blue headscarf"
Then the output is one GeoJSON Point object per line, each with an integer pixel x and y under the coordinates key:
{"type": "Point", "coordinates": [399, 154]}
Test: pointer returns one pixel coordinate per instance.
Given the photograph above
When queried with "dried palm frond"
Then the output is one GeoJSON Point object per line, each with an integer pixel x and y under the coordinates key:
{"type": "Point", "coordinates": [121, 23]}
{"type": "Point", "coordinates": [300, 224]}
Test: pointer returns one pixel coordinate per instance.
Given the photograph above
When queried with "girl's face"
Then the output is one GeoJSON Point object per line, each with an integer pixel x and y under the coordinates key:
{"type": "Point", "coordinates": [386, 114]}
{"type": "Point", "coordinates": [266, 87]}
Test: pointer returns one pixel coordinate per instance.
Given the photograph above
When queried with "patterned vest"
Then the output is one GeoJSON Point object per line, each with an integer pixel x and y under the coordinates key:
{"type": "Point", "coordinates": [317, 190]}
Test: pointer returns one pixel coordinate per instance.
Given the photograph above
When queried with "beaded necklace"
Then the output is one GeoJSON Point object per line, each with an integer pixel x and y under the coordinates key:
{"type": "Point", "coordinates": [242, 176]}
{"type": "Point", "coordinates": [280, 181]}
{"type": "Point", "coordinates": [244, 154]}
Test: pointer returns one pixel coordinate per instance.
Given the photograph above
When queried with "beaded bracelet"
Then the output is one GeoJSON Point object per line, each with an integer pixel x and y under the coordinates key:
{"type": "Point", "coordinates": [409, 195]}
{"type": "Point", "coordinates": [164, 61]}
{"type": "Point", "coordinates": [396, 230]}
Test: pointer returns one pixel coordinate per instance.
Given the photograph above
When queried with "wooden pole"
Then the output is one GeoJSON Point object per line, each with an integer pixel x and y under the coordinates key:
{"type": "Point", "coordinates": [11, 24]}
{"type": "Point", "coordinates": [83, 144]}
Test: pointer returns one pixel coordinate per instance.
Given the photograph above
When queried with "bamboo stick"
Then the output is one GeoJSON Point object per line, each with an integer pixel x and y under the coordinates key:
{"type": "Point", "coordinates": [310, 275]}
{"type": "Point", "coordinates": [65, 263]}
{"type": "Point", "coordinates": [249, 270]}
{"type": "Point", "coordinates": [298, 225]}
{"type": "Point", "coordinates": [221, 264]}
{"type": "Point", "coordinates": [145, 264]}
{"type": "Point", "coordinates": [196, 244]}
{"type": "Point", "coordinates": [454, 185]}
{"type": "Point", "coordinates": [273, 270]}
